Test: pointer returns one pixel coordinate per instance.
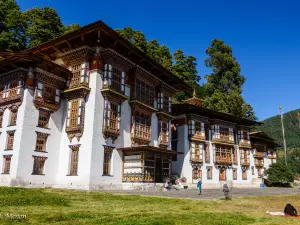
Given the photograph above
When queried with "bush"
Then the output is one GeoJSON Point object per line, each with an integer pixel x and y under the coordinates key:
{"type": "Point", "coordinates": [279, 175]}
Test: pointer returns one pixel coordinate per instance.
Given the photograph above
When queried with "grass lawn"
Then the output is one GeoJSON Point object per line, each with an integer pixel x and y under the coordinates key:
{"type": "Point", "coordinates": [50, 206]}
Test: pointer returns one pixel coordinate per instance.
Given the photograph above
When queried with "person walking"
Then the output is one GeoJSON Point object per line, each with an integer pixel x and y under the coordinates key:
{"type": "Point", "coordinates": [199, 187]}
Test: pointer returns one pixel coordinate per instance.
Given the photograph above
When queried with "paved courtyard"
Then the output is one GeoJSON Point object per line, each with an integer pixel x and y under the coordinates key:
{"type": "Point", "coordinates": [212, 193]}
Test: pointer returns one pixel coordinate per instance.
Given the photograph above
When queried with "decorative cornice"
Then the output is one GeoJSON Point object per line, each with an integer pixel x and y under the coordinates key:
{"type": "Point", "coordinates": [17, 74]}
{"type": "Point", "coordinates": [75, 147]}
{"type": "Point", "coordinates": [113, 96]}
{"type": "Point", "coordinates": [108, 148]}
{"type": "Point", "coordinates": [110, 133]}
{"type": "Point", "coordinates": [139, 106]}
{"type": "Point", "coordinates": [40, 103]}
{"type": "Point", "coordinates": [78, 92]}
{"type": "Point", "coordinates": [74, 132]}
{"type": "Point", "coordinates": [77, 55]}
{"type": "Point", "coordinates": [43, 135]}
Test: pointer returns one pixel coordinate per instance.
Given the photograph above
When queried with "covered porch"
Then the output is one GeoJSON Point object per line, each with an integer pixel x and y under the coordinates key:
{"type": "Point", "coordinates": [147, 164]}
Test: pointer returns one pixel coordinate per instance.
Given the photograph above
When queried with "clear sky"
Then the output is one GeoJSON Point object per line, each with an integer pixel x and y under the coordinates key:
{"type": "Point", "coordinates": [264, 35]}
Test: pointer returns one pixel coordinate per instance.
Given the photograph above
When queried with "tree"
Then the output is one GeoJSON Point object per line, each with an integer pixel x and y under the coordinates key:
{"type": "Point", "coordinates": [279, 174]}
{"type": "Point", "coordinates": [43, 24]}
{"type": "Point", "coordinates": [71, 28]}
{"type": "Point", "coordinates": [166, 57]}
{"type": "Point", "coordinates": [136, 37]}
{"type": "Point", "coordinates": [12, 26]}
{"type": "Point", "coordinates": [224, 84]}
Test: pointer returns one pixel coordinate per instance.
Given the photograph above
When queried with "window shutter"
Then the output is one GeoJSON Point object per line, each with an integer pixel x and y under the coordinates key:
{"type": "Point", "coordinates": [19, 87]}
{"type": "Point", "coordinates": [193, 127]}
{"type": "Point", "coordinates": [40, 87]}
{"type": "Point", "coordinates": [87, 70]}
{"type": "Point", "coordinates": [4, 91]}
{"type": "Point", "coordinates": [57, 95]}
{"type": "Point", "coordinates": [82, 73]}
{"type": "Point", "coordinates": [202, 130]}
{"type": "Point", "coordinates": [69, 113]}
{"type": "Point", "coordinates": [79, 111]}
{"type": "Point", "coordinates": [248, 137]}
{"type": "Point", "coordinates": [193, 150]}
{"type": "Point", "coordinates": [201, 151]}
{"type": "Point", "coordinates": [162, 100]}
{"type": "Point", "coordinates": [105, 81]}
{"type": "Point", "coordinates": [109, 74]}
{"type": "Point", "coordinates": [123, 82]}
{"type": "Point", "coordinates": [170, 104]}
{"type": "Point", "coordinates": [167, 133]}
{"type": "Point", "coordinates": [119, 116]}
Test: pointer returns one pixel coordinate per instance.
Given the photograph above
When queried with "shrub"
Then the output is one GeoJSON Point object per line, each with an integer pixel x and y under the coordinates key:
{"type": "Point", "coordinates": [279, 175]}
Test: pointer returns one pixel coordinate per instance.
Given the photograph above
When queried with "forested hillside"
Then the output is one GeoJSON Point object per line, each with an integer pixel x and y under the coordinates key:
{"type": "Point", "coordinates": [272, 127]}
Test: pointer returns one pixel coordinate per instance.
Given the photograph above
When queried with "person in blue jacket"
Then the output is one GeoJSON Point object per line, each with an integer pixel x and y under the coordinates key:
{"type": "Point", "coordinates": [199, 187]}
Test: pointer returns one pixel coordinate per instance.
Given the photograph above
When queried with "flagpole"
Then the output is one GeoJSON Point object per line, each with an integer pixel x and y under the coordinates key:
{"type": "Point", "coordinates": [284, 145]}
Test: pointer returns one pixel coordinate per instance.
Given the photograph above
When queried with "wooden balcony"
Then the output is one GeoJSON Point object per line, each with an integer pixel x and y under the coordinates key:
{"type": "Point", "coordinates": [259, 164]}
{"type": "Point", "coordinates": [223, 161]}
{"type": "Point", "coordinates": [243, 143]}
{"type": "Point", "coordinates": [163, 141]}
{"type": "Point", "coordinates": [141, 134]}
{"type": "Point", "coordinates": [223, 138]}
{"type": "Point", "coordinates": [245, 163]}
{"type": "Point", "coordinates": [272, 156]}
{"type": "Point", "coordinates": [12, 95]}
{"type": "Point", "coordinates": [46, 102]}
{"type": "Point", "coordinates": [198, 136]}
{"type": "Point", "coordinates": [259, 155]}
{"type": "Point", "coordinates": [196, 160]}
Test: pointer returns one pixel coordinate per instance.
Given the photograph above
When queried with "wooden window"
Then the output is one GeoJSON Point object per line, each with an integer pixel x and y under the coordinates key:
{"type": "Point", "coordinates": [74, 160]}
{"type": "Point", "coordinates": [13, 118]}
{"type": "Point", "coordinates": [222, 174]}
{"type": "Point", "coordinates": [144, 92]}
{"type": "Point", "coordinates": [224, 131]}
{"type": "Point", "coordinates": [142, 126]}
{"type": "Point", "coordinates": [38, 165]}
{"type": "Point", "coordinates": [197, 174]}
{"type": "Point", "coordinates": [41, 142]}
{"type": "Point", "coordinates": [234, 174]}
{"type": "Point", "coordinates": [80, 74]}
{"type": "Point", "coordinates": [197, 151]}
{"type": "Point", "coordinates": [245, 156]}
{"type": "Point", "coordinates": [244, 175]}
{"type": "Point", "coordinates": [75, 111]}
{"type": "Point", "coordinates": [112, 116]}
{"type": "Point", "coordinates": [44, 117]}
{"type": "Point", "coordinates": [6, 163]}
{"type": "Point", "coordinates": [223, 154]}
{"type": "Point", "coordinates": [10, 140]}
{"type": "Point", "coordinates": [114, 78]}
{"type": "Point", "coordinates": [107, 162]}
{"type": "Point", "coordinates": [209, 173]}
{"type": "Point", "coordinates": [163, 132]}
{"type": "Point", "coordinates": [164, 102]}
{"type": "Point", "coordinates": [49, 94]}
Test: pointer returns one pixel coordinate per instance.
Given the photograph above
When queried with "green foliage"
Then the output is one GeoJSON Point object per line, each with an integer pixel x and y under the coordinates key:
{"type": "Point", "coordinates": [278, 174]}
{"type": "Point", "coordinates": [224, 84]}
{"type": "Point", "coordinates": [12, 26]}
{"type": "Point", "coordinates": [43, 24]}
{"type": "Point", "coordinates": [71, 27]}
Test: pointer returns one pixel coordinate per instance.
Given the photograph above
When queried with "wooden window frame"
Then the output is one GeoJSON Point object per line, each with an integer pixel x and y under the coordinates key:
{"type": "Point", "coordinates": [74, 160]}
{"type": "Point", "coordinates": [223, 153]}
{"type": "Point", "coordinates": [107, 162]}
{"type": "Point", "coordinates": [114, 78]}
{"type": "Point", "coordinates": [112, 116]}
{"type": "Point", "coordinates": [39, 165]}
{"type": "Point", "coordinates": [144, 92]}
{"type": "Point", "coordinates": [41, 142]}
{"type": "Point", "coordinates": [234, 173]}
{"type": "Point", "coordinates": [209, 168]}
{"type": "Point", "coordinates": [10, 140]}
{"type": "Point", "coordinates": [225, 174]}
{"type": "Point", "coordinates": [163, 131]}
{"type": "Point", "coordinates": [244, 172]}
{"type": "Point", "coordinates": [142, 126]}
{"type": "Point", "coordinates": [6, 164]}
{"type": "Point", "coordinates": [196, 151]}
{"type": "Point", "coordinates": [13, 118]}
{"type": "Point", "coordinates": [196, 174]}
{"type": "Point", "coordinates": [75, 113]}
{"type": "Point", "coordinates": [44, 118]}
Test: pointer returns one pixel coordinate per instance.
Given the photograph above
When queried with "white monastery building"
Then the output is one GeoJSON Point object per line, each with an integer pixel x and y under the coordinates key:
{"type": "Point", "coordinates": [89, 111]}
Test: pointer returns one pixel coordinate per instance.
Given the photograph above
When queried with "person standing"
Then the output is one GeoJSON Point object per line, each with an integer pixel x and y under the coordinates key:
{"type": "Point", "coordinates": [199, 187]}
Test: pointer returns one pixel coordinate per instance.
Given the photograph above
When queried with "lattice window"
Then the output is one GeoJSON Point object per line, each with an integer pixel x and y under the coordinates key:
{"type": "Point", "coordinates": [41, 142]}
{"type": "Point", "coordinates": [114, 78]}
{"type": "Point", "coordinates": [209, 173]}
{"type": "Point", "coordinates": [142, 126]}
{"type": "Point", "coordinates": [38, 165]}
{"type": "Point", "coordinates": [13, 118]}
{"type": "Point", "coordinates": [107, 162]}
{"type": "Point", "coordinates": [234, 174]}
{"type": "Point", "coordinates": [80, 74]}
{"type": "Point", "coordinates": [75, 111]}
{"type": "Point", "coordinates": [223, 154]}
{"type": "Point", "coordinates": [44, 117]}
{"type": "Point", "coordinates": [245, 156]}
{"type": "Point", "coordinates": [197, 174]}
{"type": "Point", "coordinates": [6, 163]}
{"type": "Point", "coordinates": [144, 92]}
{"type": "Point", "coordinates": [163, 131]}
{"type": "Point", "coordinates": [10, 139]}
{"type": "Point", "coordinates": [112, 116]}
{"type": "Point", "coordinates": [74, 160]}
{"type": "Point", "coordinates": [197, 151]}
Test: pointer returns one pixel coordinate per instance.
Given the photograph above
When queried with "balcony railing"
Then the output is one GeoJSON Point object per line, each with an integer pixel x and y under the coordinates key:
{"type": "Point", "coordinates": [244, 142]}
{"type": "Point", "coordinates": [222, 160]}
{"type": "Point", "coordinates": [245, 163]}
{"type": "Point", "coordinates": [199, 135]}
{"type": "Point", "coordinates": [11, 94]}
{"type": "Point", "coordinates": [223, 137]}
{"type": "Point", "coordinates": [164, 139]}
{"type": "Point", "coordinates": [272, 156]}
{"type": "Point", "coordinates": [196, 160]}
{"type": "Point", "coordinates": [141, 134]}
{"type": "Point", "coordinates": [259, 164]}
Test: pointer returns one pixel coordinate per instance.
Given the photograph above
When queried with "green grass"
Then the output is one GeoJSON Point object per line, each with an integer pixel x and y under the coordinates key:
{"type": "Point", "coordinates": [50, 206]}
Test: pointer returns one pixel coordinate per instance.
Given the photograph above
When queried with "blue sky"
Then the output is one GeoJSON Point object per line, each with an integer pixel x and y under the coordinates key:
{"type": "Point", "coordinates": [264, 35]}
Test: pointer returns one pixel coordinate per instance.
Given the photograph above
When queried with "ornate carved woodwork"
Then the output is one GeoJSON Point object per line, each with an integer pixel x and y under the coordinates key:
{"type": "Point", "coordinates": [141, 127]}
{"type": "Point", "coordinates": [259, 154]}
{"type": "Point", "coordinates": [77, 56]}
{"type": "Point", "coordinates": [17, 74]}
{"type": "Point", "coordinates": [223, 155]}
{"type": "Point", "coordinates": [46, 77]}
{"type": "Point", "coordinates": [259, 162]}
